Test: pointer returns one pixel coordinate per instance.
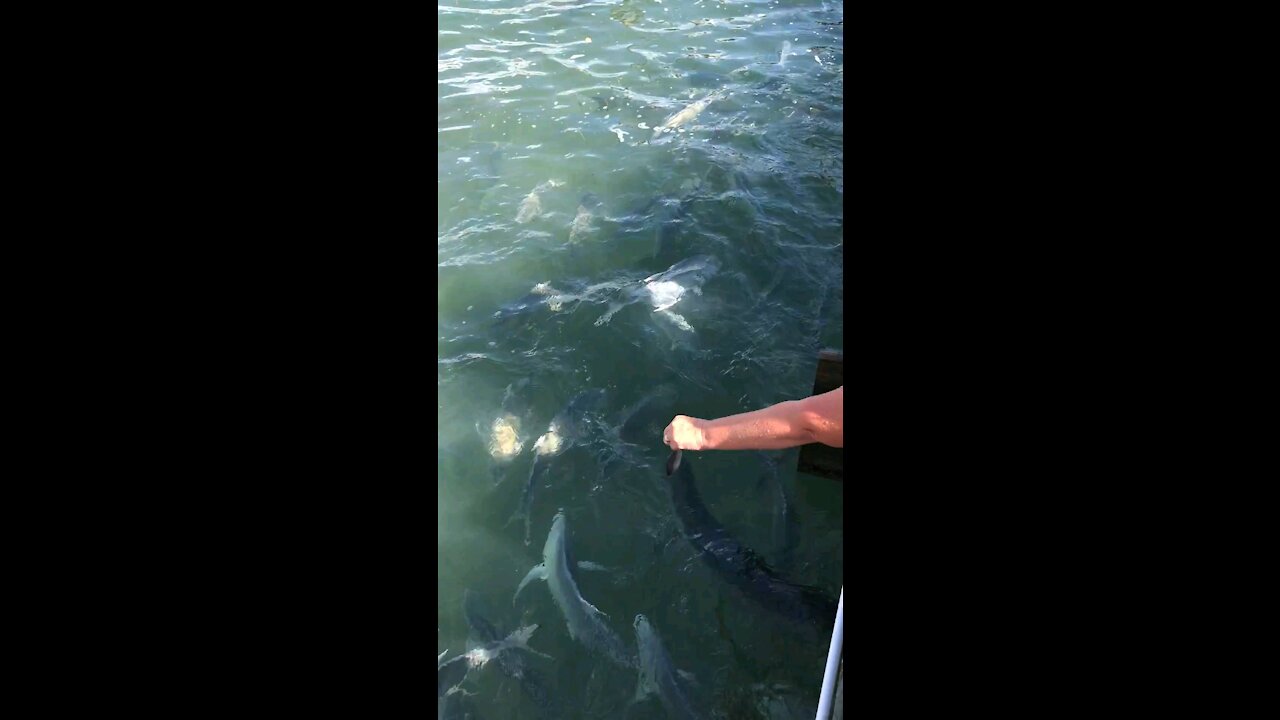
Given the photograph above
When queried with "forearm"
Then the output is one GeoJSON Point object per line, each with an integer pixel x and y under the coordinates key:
{"type": "Point", "coordinates": [776, 427]}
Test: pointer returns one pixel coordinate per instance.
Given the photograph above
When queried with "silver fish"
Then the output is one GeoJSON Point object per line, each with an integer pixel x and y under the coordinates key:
{"type": "Point", "coordinates": [513, 664]}
{"type": "Point", "coordinates": [657, 675]}
{"type": "Point", "coordinates": [451, 674]}
{"type": "Point", "coordinates": [586, 623]}
{"type": "Point", "coordinates": [690, 112]}
{"type": "Point", "coordinates": [663, 290]}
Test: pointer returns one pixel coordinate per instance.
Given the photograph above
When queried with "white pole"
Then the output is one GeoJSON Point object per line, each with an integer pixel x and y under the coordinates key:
{"type": "Point", "coordinates": [833, 663]}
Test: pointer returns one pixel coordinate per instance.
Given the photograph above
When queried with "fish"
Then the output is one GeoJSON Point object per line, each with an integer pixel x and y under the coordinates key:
{"type": "Point", "coordinates": [668, 288]}
{"type": "Point", "coordinates": [633, 429]}
{"type": "Point", "coordinates": [663, 290]}
{"type": "Point", "coordinates": [689, 113]}
{"type": "Point", "coordinates": [586, 624]}
{"type": "Point", "coordinates": [582, 220]}
{"type": "Point", "coordinates": [566, 428]}
{"type": "Point", "coordinates": [695, 270]}
{"type": "Point", "coordinates": [513, 664]}
{"type": "Point", "coordinates": [786, 48]}
{"type": "Point", "coordinates": [541, 296]}
{"type": "Point", "coordinates": [657, 674]}
{"type": "Point", "coordinates": [627, 12]}
{"type": "Point", "coordinates": [673, 462]}
{"type": "Point", "coordinates": [502, 436]}
{"type": "Point", "coordinates": [531, 207]}
{"type": "Point", "coordinates": [452, 672]}
{"type": "Point", "coordinates": [783, 515]}
{"type": "Point", "coordinates": [739, 565]}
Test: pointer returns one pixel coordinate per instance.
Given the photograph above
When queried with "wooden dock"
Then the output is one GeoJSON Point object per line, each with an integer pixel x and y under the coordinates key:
{"type": "Point", "coordinates": [816, 458]}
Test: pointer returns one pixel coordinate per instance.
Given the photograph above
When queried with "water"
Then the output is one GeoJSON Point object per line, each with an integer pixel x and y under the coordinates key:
{"type": "Point", "coordinates": [547, 113]}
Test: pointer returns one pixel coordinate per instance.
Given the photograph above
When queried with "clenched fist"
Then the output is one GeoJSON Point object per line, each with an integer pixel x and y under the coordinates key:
{"type": "Point", "coordinates": [684, 433]}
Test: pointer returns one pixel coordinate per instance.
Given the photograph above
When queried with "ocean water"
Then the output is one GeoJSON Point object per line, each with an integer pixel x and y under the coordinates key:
{"type": "Point", "coordinates": [557, 201]}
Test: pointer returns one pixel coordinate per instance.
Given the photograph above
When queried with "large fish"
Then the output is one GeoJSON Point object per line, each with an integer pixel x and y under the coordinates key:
{"type": "Point", "coordinates": [586, 624]}
{"type": "Point", "coordinates": [663, 290]}
{"type": "Point", "coordinates": [502, 436]}
{"type": "Point", "coordinates": [541, 296]}
{"type": "Point", "coordinates": [657, 675]}
{"type": "Point", "coordinates": [738, 564]}
{"type": "Point", "coordinates": [783, 517]}
{"type": "Point", "coordinates": [566, 428]}
{"type": "Point", "coordinates": [663, 216]}
{"type": "Point", "coordinates": [531, 207]}
{"type": "Point", "coordinates": [581, 226]}
{"type": "Point", "coordinates": [628, 439]}
{"type": "Point", "coordinates": [689, 113]}
{"type": "Point", "coordinates": [451, 673]}
{"type": "Point", "coordinates": [483, 632]}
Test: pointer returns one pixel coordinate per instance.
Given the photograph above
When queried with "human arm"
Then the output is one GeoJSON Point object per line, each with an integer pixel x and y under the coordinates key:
{"type": "Point", "coordinates": [819, 418]}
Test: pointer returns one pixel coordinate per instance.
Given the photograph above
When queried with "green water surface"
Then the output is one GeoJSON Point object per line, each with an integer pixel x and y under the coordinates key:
{"type": "Point", "coordinates": [559, 100]}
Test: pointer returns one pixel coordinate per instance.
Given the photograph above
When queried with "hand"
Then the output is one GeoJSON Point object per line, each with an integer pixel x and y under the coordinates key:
{"type": "Point", "coordinates": [684, 433]}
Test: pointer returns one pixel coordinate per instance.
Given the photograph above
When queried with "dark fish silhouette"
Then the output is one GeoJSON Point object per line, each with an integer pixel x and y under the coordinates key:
{"type": "Point", "coordinates": [673, 462]}
{"type": "Point", "coordinates": [739, 565]}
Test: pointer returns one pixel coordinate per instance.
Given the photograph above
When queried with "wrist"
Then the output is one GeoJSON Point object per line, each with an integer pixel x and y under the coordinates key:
{"type": "Point", "coordinates": [702, 430]}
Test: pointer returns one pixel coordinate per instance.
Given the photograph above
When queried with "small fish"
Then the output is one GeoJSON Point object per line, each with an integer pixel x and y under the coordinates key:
{"type": "Point", "coordinates": [673, 462]}
{"type": "Point", "coordinates": [786, 48]}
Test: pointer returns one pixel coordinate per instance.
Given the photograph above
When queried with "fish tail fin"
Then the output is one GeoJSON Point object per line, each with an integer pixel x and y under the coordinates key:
{"type": "Point", "coordinates": [520, 639]}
